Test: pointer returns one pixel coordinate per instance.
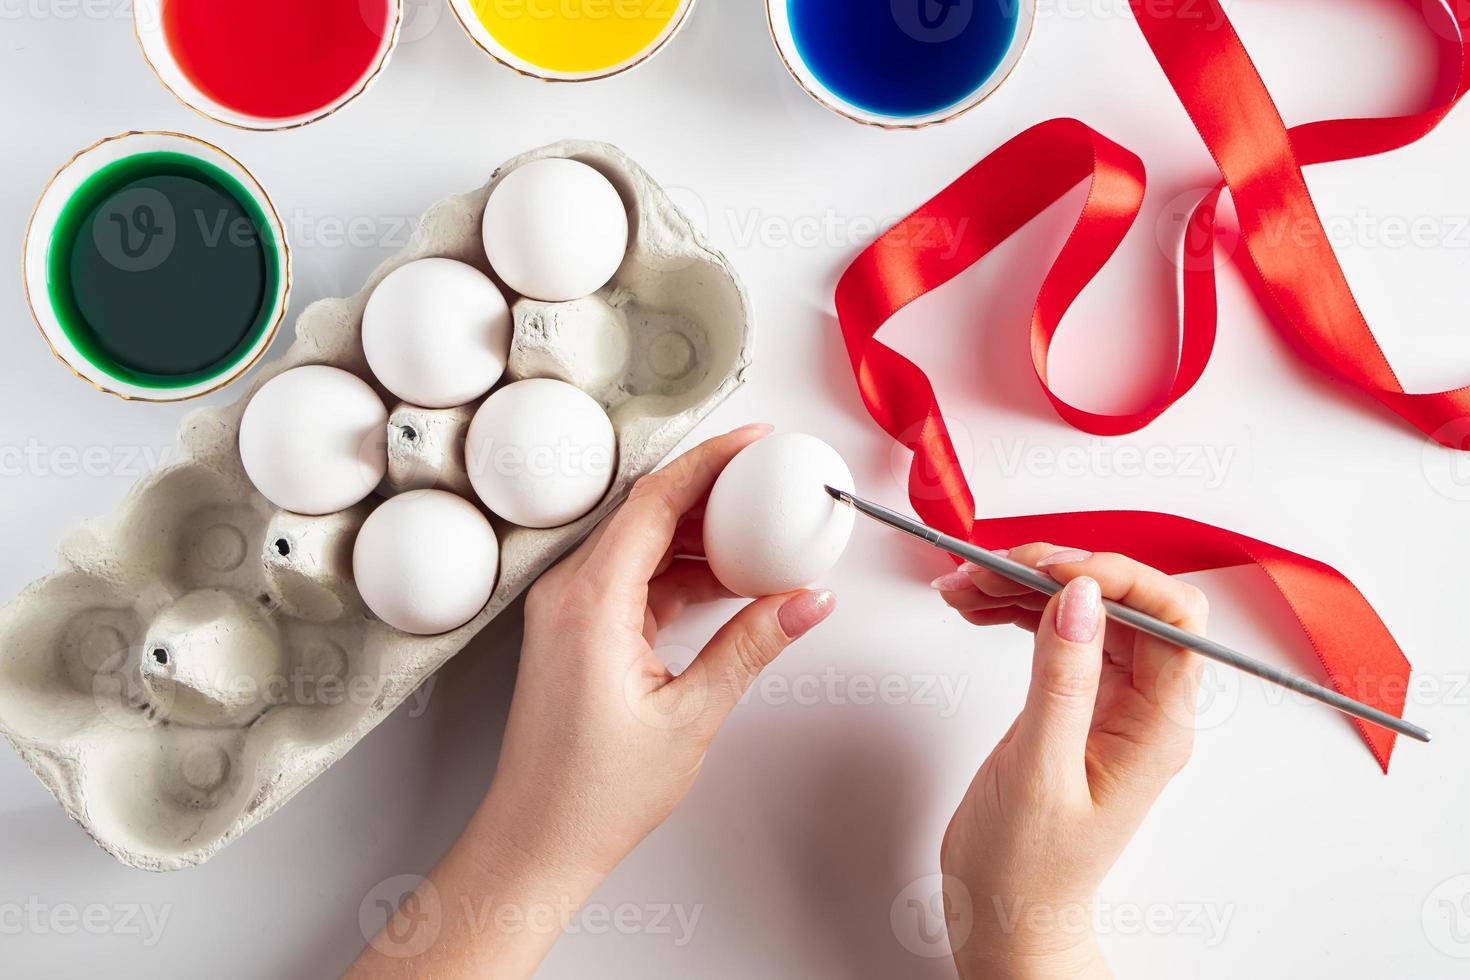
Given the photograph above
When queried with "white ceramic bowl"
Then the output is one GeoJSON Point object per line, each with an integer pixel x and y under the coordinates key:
{"type": "Point", "coordinates": [60, 190]}
{"type": "Point", "coordinates": [148, 26]}
{"type": "Point", "coordinates": [778, 14]}
{"type": "Point", "coordinates": [465, 14]}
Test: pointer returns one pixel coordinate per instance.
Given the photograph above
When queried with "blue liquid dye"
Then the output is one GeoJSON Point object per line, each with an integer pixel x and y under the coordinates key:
{"type": "Point", "coordinates": [903, 58]}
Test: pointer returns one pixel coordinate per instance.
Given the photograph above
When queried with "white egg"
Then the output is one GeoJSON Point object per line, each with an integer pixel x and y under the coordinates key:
{"type": "Point", "coordinates": [425, 562]}
{"type": "Point", "coordinates": [541, 453]}
{"type": "Point", "coordinates": [314, 439]}
{"type": "Point", "coordinates": [770, 525]}
{"type": "Point", "coordinates": [555, 230]}
{"type": "Point", "coordinates": [437, 333]}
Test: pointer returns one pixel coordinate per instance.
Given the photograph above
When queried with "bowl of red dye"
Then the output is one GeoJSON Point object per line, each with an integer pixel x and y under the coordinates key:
{"type": "Point", "coordinates": [267, 64]}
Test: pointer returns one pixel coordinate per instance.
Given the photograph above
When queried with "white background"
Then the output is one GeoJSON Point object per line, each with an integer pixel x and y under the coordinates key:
{"type": "Point", "coordinates": [815, 814]}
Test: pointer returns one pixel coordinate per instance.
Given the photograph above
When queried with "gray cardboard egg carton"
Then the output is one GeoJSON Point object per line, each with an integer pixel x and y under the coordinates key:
{"type": "Point", "coordinates": [199, 656]}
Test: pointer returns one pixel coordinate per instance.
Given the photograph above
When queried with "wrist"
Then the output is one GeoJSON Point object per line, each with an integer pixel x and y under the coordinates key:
{"type": "Point", "coordinates": [504, 898]}
{"type": "Point", "coordinates": [1027, 939]}
{"type": "Point", "coordinates": [491, 910]}
{"type": "Point", "coordinates": [526, 853]}
{"type": "Point", "coordinates": [1084, 962]}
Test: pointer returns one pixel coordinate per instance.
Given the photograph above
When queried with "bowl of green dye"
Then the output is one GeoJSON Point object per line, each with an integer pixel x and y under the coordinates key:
{"type": "Point", "coordinates": [156, 267]}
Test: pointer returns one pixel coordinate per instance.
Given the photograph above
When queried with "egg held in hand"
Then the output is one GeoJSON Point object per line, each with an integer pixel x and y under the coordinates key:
{"type": "Point", "coordinates": [770, 525]}
{"type": "Point", "coordinates": [314, 439]}
{"type": "Point", "coordinates": [555, 230]}
{"type": "Point", "coordinates": [425, 562]}
{"type": "Point", "coordinates": [437, 333]}
{"type": "Point", "coordinates": [541, 453]}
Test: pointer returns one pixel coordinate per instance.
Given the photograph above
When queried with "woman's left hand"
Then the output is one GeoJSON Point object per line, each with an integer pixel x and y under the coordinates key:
{"type": "Point", "coordinates": [603, 740]}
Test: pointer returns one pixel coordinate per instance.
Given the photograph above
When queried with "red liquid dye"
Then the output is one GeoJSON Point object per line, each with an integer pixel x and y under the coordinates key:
{"type": "Point", "coordinates": [276, 58]}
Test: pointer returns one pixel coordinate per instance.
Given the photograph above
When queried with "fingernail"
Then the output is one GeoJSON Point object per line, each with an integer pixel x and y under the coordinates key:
{"type": "Point", "coordinates": [1064, 557]}
{"type": "Point", "coordinates": [802, 612]}
{"type": "Point", "coordinates": [1079, 610]}
{"type": "Point", "coordinates": [756, 428]}
{"type": "Point", "coordinates": [953, 582]}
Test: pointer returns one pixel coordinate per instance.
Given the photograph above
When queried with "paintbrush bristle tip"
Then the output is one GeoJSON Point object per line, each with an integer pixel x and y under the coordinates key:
{"type": "Point", "coordinates": [838, 495]}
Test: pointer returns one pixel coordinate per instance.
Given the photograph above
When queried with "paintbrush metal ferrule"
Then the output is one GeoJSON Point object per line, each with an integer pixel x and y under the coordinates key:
{"type": "Point", "coordinates": [1045, 584]}
{"type": "Point", "coordinates": [892, 518]}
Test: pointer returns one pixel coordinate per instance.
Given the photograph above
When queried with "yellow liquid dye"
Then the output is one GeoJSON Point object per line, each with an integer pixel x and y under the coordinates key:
{"type": "Point", "coordinates": [575, 36]}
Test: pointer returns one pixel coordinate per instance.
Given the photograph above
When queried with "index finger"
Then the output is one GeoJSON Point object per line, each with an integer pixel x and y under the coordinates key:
{"type": "Point", "coordinates": [636, 537]}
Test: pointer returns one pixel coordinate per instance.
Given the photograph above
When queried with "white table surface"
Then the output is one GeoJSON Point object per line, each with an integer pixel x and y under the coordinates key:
{"type": "Point", "coordinates": [1280, 852]}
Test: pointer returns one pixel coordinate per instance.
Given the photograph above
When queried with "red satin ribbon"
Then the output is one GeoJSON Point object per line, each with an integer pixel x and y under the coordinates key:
{"type": "Point", "coordinates": [1260, 161]}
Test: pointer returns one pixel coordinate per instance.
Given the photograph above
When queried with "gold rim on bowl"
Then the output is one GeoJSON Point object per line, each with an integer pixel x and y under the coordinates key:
{"type": "Point", "coordinates": [675, 26]}
{"type": "Point", "coordinates": [283, 247]}
{"type": "Point", "coordinates": [265, 123]}
{"type": "Point", "coordinates": [834, 103]}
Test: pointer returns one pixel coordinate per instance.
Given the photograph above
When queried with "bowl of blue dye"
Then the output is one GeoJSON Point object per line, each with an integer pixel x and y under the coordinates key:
{"type": "Point", "coordinates": [900, 64]}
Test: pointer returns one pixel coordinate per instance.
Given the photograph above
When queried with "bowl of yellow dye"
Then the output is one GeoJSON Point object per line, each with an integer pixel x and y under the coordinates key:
{"type": "Point", "coordinates": [571, 40]}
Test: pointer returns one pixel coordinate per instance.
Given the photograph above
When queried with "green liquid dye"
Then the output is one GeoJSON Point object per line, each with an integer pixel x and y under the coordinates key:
{"type": "Point", "coordinates": [163, 271]}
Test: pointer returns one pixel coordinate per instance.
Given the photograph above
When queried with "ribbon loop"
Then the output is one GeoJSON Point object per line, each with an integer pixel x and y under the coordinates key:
{"type": "Point", "coordinates": [1260, 161]}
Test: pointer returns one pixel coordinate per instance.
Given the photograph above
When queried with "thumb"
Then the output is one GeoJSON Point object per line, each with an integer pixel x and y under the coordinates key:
{"type": "Point", "coordinates": [746, 645]}
{"type": "Point", "coordinates": [1065, 673]}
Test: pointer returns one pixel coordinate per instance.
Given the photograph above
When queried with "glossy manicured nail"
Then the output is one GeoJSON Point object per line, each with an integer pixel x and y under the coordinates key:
{"type": "Point", "coordinates": [1079, 610]}
{"type": "Point", "coordinates": [803, 612]}
{"type": "Point", "coordinates": [1064, 557]}
{"type": "Point", "coordinates": [956, 581]}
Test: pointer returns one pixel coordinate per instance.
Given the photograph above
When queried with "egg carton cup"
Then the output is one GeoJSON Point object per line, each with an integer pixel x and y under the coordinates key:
{"type": "Point", "coordinates": [199, 656]}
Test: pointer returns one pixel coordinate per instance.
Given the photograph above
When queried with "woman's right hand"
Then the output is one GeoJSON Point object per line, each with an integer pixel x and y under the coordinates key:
{"type": "Point", "coordinates": [1108, 721]}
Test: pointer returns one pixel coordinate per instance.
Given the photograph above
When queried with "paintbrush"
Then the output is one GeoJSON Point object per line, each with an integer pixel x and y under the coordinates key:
{"type": "Point", "coordinates": [1144, 623]}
